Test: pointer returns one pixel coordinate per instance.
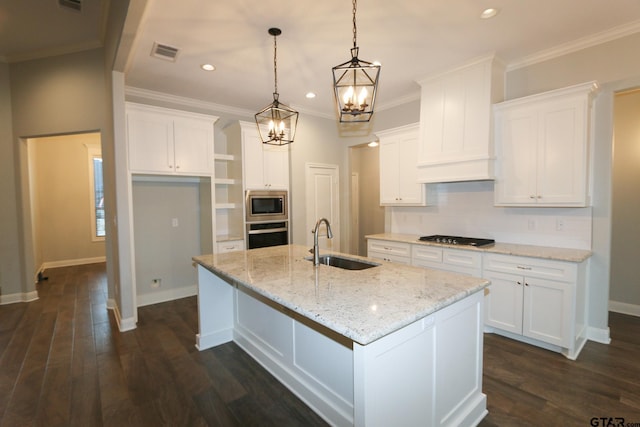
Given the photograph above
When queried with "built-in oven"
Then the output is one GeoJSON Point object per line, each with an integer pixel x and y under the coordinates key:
{"type": "Point", "coordinates": [263, 234]}
{"type": "Point", "coordinates": [267, 218]}
{"type": "Point", "coordinates": [261, 206]}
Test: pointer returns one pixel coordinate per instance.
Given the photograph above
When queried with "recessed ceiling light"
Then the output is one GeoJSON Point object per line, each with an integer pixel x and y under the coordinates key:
{"type": "Point", "coordinates": [373, 144]}
{"type": "Point", "coordinates": [489, 13]}
{"type": "Point", "coordinates": [310, 95]}
{"type": "Point", "coordinates": [208, 67]}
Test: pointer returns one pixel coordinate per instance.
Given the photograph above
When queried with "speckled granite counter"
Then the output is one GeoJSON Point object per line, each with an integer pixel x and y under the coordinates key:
{"type": "Point", "coordinates": [361, 305]}
{"type": "Point", "coordinates": [559, 254]}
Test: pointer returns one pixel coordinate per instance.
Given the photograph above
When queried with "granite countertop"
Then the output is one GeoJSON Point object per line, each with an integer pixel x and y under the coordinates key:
{"type": "Point", "coordinates": [545, 252]}
{"type": "Point", "coordinates": [361, 305]}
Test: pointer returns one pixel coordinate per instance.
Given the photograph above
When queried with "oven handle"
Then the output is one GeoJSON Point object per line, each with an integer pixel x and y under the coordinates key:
{"type": "Point", "coordinates": [267, 230]}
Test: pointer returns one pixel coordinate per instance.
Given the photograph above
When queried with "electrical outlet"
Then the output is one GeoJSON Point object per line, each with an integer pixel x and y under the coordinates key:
{"type": "Point", "coordinates": [531, 225]}
{"type": "Point", "coordinates": [174, 222]}
{"type": "Point", "coordinates": [155, 283]}
{"type": "Point", "coordinates": [560, 224]}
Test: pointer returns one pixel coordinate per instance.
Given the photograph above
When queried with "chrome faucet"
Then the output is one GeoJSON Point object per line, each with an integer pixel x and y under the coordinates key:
{"type": "Point", "coordinates": [316, 250]}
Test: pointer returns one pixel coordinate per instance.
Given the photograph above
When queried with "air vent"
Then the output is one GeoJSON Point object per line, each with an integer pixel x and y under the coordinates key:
{"type": "Point", "coordinates": [163, 51]}
{"type": "Point", "coordinates": [75, 5]}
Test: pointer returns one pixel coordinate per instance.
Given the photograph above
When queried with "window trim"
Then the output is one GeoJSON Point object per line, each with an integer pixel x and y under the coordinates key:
{"type": "Point", "coordinates": [92, 153]}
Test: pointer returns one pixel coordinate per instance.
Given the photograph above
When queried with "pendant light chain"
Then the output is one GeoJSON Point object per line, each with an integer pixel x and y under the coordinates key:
{"type": "Point", "coordinates": [275, 62]}
{"type": "Point", "coordinates": [355, 30]}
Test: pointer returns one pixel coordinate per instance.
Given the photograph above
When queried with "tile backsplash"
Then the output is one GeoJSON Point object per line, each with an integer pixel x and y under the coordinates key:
{"type": "Point", "coordinates": [466, 209]}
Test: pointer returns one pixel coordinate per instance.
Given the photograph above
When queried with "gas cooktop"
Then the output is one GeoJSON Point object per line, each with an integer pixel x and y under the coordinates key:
{"type": "Point", "coordinates": [457, 240]}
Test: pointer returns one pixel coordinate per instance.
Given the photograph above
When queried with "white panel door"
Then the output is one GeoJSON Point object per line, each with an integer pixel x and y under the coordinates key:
{"type": "Point", "coordinates": [323, 201]}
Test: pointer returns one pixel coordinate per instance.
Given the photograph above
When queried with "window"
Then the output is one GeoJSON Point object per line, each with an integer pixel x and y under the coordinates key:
{"type": "Point", "coordinates": [97, 194]}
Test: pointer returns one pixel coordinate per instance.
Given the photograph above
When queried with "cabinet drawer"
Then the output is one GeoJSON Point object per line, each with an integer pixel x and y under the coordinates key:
{"type": "Point", "coordinates": [531, 267]}
{"type": "Point", "coordinates": [389, 248]}
{"type": "Point", "coordinates": [465, 259]}
{"type": "Point", "coordinates": [230, 246]}
{"type": "Point", "coordinates": [390, 257]}
{"type": "Point", "coordinates": [426, 253]}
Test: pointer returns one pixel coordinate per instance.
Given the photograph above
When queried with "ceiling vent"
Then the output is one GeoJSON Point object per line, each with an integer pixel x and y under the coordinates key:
{"type": "Point", "coordinates": [163, 51]}
{"type": "Point", "coordinates": [75, 5]}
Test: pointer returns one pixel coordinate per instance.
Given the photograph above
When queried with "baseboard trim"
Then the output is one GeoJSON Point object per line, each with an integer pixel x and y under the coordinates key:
{"type": "Point", "coordinates": [166, 295]}
{"type": "Point", "coordinates": [124, 325]}
{"type": "Point", "coordinates": [72, 262]}
{"type": "Point", "coordinates": [624, 308]}
{"type": "Point", "coordinates": [598, 335]}
{"type": "Point", "coordinates": [19, 297]}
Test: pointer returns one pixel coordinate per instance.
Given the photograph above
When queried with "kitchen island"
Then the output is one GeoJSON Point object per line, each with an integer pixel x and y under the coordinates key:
{"type": "Point", "coordinates": [387, 345]}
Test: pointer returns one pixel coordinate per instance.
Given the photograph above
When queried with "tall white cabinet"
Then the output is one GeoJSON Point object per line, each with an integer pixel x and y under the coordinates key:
{"type": "Point", "coordinates": [266, 167]}
{"type": "Point", "coordinates": [542, 146]}
{"type": "Point", "coordinates": [398, 167]}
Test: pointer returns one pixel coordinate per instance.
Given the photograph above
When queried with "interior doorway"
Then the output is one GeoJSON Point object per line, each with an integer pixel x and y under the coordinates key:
{"type": "Point", "coordinates": [323, 201]}
{"type": "Point", "coordinates": [365, 165]}
{"type": "Point", "coordinates": [66, 200]}
{"type": "Point", "coordinates": [624, 293]}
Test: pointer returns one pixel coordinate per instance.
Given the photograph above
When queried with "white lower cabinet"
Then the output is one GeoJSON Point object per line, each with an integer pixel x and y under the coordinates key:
{"type": "Point", "coordinates": [542, 301]}
{"type": "Point", "coordinates": [448, 259]}
{"type": "Point", "coordinates": [389, 251]}
{"type": "Point", "coordinates": [230, 246]}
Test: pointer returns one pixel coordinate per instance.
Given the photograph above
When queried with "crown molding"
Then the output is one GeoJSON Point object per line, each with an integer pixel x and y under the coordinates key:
{"type": "Point", "coordinates": [56, 51]}
{"type": "Point", "coordinates": [186, 102]}
{"type": "Point", "coordinates": [576, 45]}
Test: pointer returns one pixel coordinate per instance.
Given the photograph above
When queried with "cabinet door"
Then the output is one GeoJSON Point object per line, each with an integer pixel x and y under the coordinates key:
{"type": "Point", "coordinates": [389, 153]}
{"type": "Point", "coordinates": [410, 191]}
{"type": "Point", "coordinates": [562, 159]}
{"type": "Point", "coordinates": [517, 141]}
{"type": "Point", "coordinates": [503, 301]}
{"type": "Point", "coordinates": [150, 140]}
{"type": "Point", "coordinates": [276, 166]}
{"type": "Point", "coordinates": [399, 167]}
{"type": "Point", "coordinates": [547, 311]}
{"type": "Point", "coordinates": [252, 159]}
{"type": "Point", "coordinates": [193, 146]}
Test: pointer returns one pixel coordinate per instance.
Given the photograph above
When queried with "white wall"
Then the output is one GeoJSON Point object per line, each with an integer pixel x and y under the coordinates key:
{"type": "Point", "coordinates": [466, 209]}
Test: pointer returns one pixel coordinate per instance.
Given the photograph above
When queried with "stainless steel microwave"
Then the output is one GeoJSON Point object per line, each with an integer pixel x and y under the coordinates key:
{"type": "Point", "coordinates": [263, 206]}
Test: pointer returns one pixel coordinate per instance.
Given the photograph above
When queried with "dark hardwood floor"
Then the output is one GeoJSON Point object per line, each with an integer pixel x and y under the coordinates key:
{"type": "Point", "coordinates": [63, 362]}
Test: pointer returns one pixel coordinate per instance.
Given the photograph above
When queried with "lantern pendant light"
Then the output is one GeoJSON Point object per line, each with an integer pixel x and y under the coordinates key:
{"type": "Point", "coordinates": [276, 122]}
{"type": "Point", "coordinates": [355, 83]}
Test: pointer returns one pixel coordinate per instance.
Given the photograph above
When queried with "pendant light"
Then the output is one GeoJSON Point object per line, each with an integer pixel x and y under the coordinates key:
{"type": "Point", "coordinates": [355, 83]}
{"type": "Point", "coordinates": [276, 122]}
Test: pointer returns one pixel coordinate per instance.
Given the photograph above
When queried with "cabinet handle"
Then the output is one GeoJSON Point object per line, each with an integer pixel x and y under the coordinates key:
{"type": "Point", "coordinates": [519, 282]}
{"type": "Point", "coordinates": [532, 196]}
{"type": "Point", "coordinates": [526, 284]}
{"type": "Point", "coordinates": [522, 267]}
{"type": "Point", "coordinates": [539, 197]}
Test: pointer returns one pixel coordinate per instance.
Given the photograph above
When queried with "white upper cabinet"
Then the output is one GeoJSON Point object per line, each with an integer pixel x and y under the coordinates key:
{"type": "Point", "coordinates": [455, 122]}
{"type": "Point", "coordinates": [542, 146]}
{"type": "Point", "coordinates": [169, 142]}
{"type": "Point", "coordinates": [398, 167]}
{"type": "Point", "coordinates": [266, 167]}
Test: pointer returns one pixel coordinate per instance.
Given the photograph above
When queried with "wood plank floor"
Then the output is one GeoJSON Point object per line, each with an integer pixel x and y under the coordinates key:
{"type": "Point", "coordinates": [64, 363]}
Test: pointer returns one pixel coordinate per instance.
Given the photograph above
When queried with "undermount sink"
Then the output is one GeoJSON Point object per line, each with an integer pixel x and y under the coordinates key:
{"type": "Point", "coordinates": [344, 263]}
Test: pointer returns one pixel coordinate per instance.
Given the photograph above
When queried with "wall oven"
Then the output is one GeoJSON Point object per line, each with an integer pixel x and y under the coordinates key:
{"type": "Point", "coordinates": [267, 218]}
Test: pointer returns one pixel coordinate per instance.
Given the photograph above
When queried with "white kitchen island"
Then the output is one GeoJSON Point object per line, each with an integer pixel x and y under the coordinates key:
{"type": "Point", "coordinates": [389, 345]}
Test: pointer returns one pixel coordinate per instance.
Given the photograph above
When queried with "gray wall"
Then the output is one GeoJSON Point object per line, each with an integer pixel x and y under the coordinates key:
{"type": "Point", "coordinates": [64, 94]}
{"type": "Point", "coordinates": [625, 212]}
{"type": "Point", "coordinates": [11, 274]}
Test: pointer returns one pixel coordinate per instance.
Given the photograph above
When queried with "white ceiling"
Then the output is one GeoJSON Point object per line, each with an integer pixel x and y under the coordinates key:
{"type": "Point", "coordinates": [412, 39]}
